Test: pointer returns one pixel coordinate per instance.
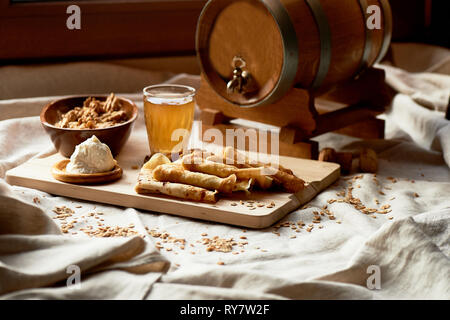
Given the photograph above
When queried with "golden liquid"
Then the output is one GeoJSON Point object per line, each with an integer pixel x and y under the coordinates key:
{"type": "Point", "coordinates": [162, 120]}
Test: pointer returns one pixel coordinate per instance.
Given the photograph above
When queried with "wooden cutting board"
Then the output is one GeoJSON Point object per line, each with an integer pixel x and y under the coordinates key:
{"type": "Point", "coordinates": [36, 174]}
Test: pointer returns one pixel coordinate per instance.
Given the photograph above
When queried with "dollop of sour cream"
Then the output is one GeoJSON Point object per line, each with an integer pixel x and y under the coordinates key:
{"type": "Point", "coordinates": [91, 156]}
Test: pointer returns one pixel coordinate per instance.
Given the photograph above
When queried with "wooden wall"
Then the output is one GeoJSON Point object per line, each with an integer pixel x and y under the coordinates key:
{"type": "Point", "coordinates": [36, 31]}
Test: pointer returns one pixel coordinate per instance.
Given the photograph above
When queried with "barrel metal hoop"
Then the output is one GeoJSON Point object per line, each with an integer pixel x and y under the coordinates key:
{"type": "Point", "coordinates": [325, 41]}
{"type": "Point", "coordinates": [387, 17]}
{"type": "Point", "coordinates": [290, 53]}
{"type": "Point", "coordinates": [367, 41]}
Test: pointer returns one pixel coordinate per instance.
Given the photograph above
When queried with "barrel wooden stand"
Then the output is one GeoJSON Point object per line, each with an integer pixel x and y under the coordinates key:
{"type": "Point", "coordinates": [349, 108]}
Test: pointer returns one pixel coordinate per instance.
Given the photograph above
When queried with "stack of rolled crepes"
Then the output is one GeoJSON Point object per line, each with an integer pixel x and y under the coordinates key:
{"type": "Point", "coordinates": [201, 176]}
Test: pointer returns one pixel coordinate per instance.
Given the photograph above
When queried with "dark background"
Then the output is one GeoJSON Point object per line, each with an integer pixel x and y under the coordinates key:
{"type": "Point", "coordinates": [411, 23]}
{"type": "Point", "coordinates": [34, 31]}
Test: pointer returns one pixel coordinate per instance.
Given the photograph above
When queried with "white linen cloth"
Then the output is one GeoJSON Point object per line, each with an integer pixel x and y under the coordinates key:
{"type": "Point", "coordinates": [411, 250]}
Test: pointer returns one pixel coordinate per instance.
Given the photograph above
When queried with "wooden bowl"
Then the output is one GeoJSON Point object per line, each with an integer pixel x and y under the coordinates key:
{"type": "Point", "coordinates": [59, 173]}
{"type": "Point", "coordinates": [65, 139]}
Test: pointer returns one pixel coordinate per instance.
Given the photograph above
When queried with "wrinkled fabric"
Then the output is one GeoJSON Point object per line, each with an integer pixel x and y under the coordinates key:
{"type": "Point", "coordinates": [35, 254]}
{"type": "Point", "coordinates": [409, 245]}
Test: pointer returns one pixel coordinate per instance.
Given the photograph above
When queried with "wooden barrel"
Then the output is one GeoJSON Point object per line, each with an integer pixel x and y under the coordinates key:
{"type": "Point", "coordinates": [310, 44]}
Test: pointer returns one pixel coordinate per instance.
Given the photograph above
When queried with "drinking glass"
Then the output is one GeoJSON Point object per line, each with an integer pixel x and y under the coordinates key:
{"type": "Point", "coordinates": [169, 114]}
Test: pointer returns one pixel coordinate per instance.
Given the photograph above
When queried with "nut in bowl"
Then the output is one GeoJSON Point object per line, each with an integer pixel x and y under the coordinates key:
{"type": "Point", "coordinates": [70, 121]}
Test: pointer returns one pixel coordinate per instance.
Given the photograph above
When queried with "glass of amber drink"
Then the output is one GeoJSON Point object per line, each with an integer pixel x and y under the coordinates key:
{"type": "Point", "coordinates": [169, 114]}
